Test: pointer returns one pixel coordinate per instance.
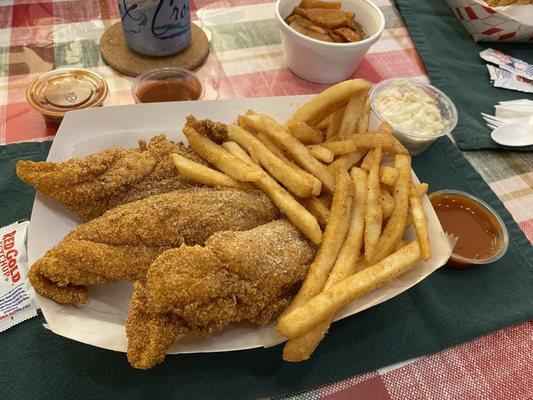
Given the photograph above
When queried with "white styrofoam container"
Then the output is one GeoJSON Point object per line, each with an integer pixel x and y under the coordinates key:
{"type": "Point", "coordinates": [325, 62]}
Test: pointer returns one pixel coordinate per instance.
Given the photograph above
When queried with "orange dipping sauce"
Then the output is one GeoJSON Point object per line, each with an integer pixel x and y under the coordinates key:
{"type": "Point", "coordinates": [168, 90]}
{"type": "Point", "coordinates": [167, 84]}
{"type": "Point", "coordinates": [479, 232]}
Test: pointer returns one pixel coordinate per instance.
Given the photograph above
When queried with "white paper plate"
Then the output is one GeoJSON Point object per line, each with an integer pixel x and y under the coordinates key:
{"type": "Point", "coordinates": [101, 321]}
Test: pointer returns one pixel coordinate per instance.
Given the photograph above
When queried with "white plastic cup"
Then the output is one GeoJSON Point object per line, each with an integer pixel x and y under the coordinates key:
{"type": "Point", "coordinates": [325, 62]}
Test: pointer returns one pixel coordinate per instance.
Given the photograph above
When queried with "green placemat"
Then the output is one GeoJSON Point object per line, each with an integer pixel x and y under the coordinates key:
{"type": "Point", "coordinates": [454, 66]}
{"type": "Point", "coordinates": [16, 198]}
{"type": "Point", "coordinates": [448, 308]}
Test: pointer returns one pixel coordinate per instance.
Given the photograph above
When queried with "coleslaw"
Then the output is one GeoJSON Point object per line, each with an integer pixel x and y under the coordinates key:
{"type": "Point", "coordinates": [410, 109]}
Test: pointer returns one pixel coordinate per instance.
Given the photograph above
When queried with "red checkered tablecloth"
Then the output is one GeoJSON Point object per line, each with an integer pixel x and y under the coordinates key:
{"type": "Point", "coordinates": [246, 61]}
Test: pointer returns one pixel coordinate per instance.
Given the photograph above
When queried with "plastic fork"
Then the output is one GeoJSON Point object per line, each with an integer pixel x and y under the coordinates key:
{"type": "Point", "coordinates": [496, 122]}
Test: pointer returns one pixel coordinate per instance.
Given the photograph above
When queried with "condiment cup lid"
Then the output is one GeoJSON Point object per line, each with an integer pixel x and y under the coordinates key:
{"type": "Point", "coordinates": [56, 92]}
{"type": "Point", "coordinates": [504, 238]}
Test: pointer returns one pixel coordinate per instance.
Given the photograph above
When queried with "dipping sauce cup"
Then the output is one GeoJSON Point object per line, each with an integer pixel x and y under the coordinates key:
{"type": "Point", "coordinates": [56, 92]}
{"type": "Point", "coordinates": [167, 84]}
{"type": "Point", "coordinates": [417, 112]}
{"type": "Point", "coordinates": [482, 235]}
{"type": "Point", "coordinates": [325, 62]}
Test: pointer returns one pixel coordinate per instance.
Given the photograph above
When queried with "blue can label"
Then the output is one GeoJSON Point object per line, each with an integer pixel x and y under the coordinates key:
{"type": "Point", "coordinates": [156, 27]}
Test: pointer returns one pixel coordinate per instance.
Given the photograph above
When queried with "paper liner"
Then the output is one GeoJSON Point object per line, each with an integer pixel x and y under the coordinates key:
{"type": "Point", "coordinates": [512, 23]}
{"type": "Point", "coordinates": [101, 321]}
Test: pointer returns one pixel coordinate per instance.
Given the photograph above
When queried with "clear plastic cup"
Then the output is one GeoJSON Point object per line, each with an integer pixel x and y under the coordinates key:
{"type": "Point", "coordinates": [167, 84]}
{"type": "Point", "coordinates": [460, 262]}
{"type": "Point", "coordinates": [416, 142]}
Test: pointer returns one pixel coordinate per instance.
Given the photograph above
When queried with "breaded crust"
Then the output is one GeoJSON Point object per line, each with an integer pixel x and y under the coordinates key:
{"type": "Point", "coordinates": [96, 183]}
{"type": "Point", "coordinates": [248, 275]}
{"type": "Point", "coordinates": [121, 244]}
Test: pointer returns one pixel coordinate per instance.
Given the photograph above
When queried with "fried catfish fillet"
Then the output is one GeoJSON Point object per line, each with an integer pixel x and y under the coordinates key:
{"type": "Point", "coordinates": [216, 131]}
{"type": "Point", "coordinates": [237, 276]}
{"type": "Point", "coordinates": [94, 184]}
{"type": "Point", "coordinates": [122, 243]}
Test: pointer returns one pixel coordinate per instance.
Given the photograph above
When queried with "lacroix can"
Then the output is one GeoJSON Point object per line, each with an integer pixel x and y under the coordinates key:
{"type": "Point", "coordinates": [156, 27]}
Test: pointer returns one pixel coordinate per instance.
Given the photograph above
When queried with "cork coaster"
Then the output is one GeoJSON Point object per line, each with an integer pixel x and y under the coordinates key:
{"type": "Point", "coordinates": [116, 53]}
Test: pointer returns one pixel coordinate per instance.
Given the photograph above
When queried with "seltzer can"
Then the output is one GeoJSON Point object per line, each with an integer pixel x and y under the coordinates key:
{"type": "Point", "coordinates": [156, 27]}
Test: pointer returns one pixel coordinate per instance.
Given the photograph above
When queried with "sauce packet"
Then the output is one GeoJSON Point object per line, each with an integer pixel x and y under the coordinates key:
{"type": "Point", "coordinates": [506, 80]}
{"type": "Point", "coordinates": [15, 304]}
{"type": "Point", "coordinates": [508, 63]}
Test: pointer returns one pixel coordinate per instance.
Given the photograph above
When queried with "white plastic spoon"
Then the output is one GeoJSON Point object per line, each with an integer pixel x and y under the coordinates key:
{"type": "Point", "coordinates": [515, 134]}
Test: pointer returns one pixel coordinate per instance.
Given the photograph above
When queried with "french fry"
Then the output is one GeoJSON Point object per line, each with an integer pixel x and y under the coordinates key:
{"type": "Point", "coordinates": [361, 264]}
{"type": "Point", "coordinates": [242, 124]}
{"type": "Point", "coordinates": [317, 185]}
{"type": "Point", "coordinates": [336, 229]}
{"type": "Point", "coordinates": [323, 125]}
{"type": "Point", "coordinates": [321, 153]}
{"type": "Point", "coordinates": [319, 4]}
{"type": "Point", "coordinates": [197, 172]}
{"type": "Point", "coordinates": [278, 152]}
{"type": "Point", "coordinates": [362, 126]}
{"type": "Point", "coordinates": [388, 175]}
{"type": "Point", "coordinates": [352, 114]}
{"type": "Point", "coordinates": [269, 144]}
{"type": "Point", "coordinates": [317, 208]}
{"type": "Point", "coordinates": [301, 347]}
{"type": "Point", "coordinates": [300, 319]}
{"type": "Point", "coordinates": [326, 199]}
{"type": "Point", "coordinates": [341, 147]}
{"type": "Point", "coordinates": [323, 104]}
{"type": "Point", "coordinates": [388, 143]}
{"type": "Point", "coordinates": [305, 133]}
{"type": "Point", "coordinates": [334, 124]}
{"type": "Point", "coordinates": [396, 224]}
{"type": "Point", "coordinates": [367, 161]}
{"type": "Point", "coordinates": [420, 219]}
{"type": "Point", "coordinates": [402, 243]}
{"type": "Point", "coordinates": [280, 170]}
{"type": "Point", "coordinates": [387, 203]}
{"type": "Point", "coordinates": [293, 146]}
{"type": "Point", "coordinates": [419, 190]}
{"type": "Point", "coordinates": [221, 158]}
{"type": "Point", "coordinates": [409, 220]}
{"type": "Point", "coordinates": [236, 150]}
{"type": "Point", "coordinates": [294, 211]}
{"type": "Point", "coordinates": [346, 161]}
{"type": "Point", "coordinates": [373, 211]}
{"type": "Point", "coordinates": [385, 128]}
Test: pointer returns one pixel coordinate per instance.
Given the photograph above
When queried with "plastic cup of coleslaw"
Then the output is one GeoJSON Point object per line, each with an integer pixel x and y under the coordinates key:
{"type": "Point", "coordinates": [417, 112]}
